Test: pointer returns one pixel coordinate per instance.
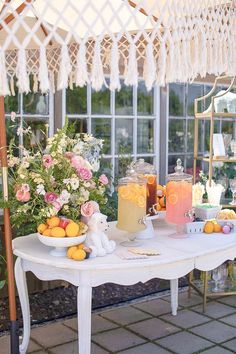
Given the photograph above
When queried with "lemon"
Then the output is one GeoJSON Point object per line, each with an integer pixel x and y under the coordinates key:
{"type": "Point", "coordinates": [71, 251]}
{"type": "Point", "coordinates": [58, 232]}
{"type": "Point", "coordinates": [41, 228]}
{"type": "Point", "coordinates": [72, 229]}
{"type": "Point", "coordinates": [79, 255]}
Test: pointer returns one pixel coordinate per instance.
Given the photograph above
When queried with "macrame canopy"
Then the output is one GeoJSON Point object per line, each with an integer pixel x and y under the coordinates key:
{"type": "Point", "coordinates": [66, 42]}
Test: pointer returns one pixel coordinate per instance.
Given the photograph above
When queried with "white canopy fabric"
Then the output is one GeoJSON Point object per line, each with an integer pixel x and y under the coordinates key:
{"type": "Point", "coordinates": [73, 42]}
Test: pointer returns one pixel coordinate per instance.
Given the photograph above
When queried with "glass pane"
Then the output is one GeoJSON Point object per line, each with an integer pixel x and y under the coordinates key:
{"type": "Point", "coordinates": [176, 135]}
{"type": "Point", "coordinates": [12, 103]}
{"type": "Point", "coordinates": [176, 99]}
{"type": "Point", "coordinates": [190, 136]}
{"type": "Point", "coordinates": [172, 162]}
{"type": "Point", "coordinates": [194, 91]}
{"type": "Point", "coordinates": [145, 138]}
{"type": "Point", "coordinates": [101, 101]}
{"type": "Point", "coordinates": [124, 100]}
{"type": "Point", "coordinates": [145, 100]}
{"type": "Point", "coordinates": [101, 128]}
{"type": "Point", "coordinates": [11, 130]}
{"type": "Point", "coordinates": [124, 136]}
{"type": "Point", "coordinates": [76, 100]}
{"type": "Point", "coordinates": [39, 132]}
{"type": "Point", "coordinates": [79, 125]}
{"type": "Point", "coordinates": [189, 166]}
{"type": "Point", "coordinates": [228, 127]}
{"type": "Point", "coordinates": [207, 101]}
{"type": "Point", "coordinates": [36, 103]}
{"type": "Point", "coordinates": [121, 165]}
{"type": "Point", "coordinates": [106, 167]}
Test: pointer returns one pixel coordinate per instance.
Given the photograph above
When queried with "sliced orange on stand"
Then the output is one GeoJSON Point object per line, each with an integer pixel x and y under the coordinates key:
{"type": "Point", "coordinates": [172, 199]}
{"type": "Point", "coordinates": [124, 192]}
{"type": "Point", "coordinates": [150, 179]}
{"type": "Point", "coordinates": [141, 201]}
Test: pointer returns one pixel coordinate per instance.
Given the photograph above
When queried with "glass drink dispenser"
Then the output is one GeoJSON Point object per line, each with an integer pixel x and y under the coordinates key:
{"type": "Point", "coordinates": [179, 198]}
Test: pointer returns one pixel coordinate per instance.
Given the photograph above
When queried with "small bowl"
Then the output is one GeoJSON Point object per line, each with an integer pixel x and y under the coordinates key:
{"type": "Point", "coordinates": [60, 244]}
{"type": "Point", "coordinates": [207, 213]}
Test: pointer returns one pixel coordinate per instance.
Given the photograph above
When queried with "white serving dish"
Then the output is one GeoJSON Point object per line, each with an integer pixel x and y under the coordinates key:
{"type": "Point", "coordinates": [60, 244]}
{"type": "Point", "coordinates": [207, 213]}
{"type": "Point", "coordinates": [194, 227]}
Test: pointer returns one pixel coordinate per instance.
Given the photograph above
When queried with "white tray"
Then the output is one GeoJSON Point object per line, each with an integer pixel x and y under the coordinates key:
{"type": "Point", "coordinates": [194, 227]}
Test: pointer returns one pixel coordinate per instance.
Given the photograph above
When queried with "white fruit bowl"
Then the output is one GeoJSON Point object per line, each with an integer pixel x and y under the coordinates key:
{"type": "Point", "coordinates": [60, 244]}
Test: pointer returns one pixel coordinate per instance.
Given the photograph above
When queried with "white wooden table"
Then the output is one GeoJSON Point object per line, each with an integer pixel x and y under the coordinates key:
{"type": "Point", "coordinates": [177, 258]}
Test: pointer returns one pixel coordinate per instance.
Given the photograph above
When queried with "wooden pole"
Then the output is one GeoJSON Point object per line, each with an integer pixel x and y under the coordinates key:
{"type": "Point", "coordinates": [8, 234]}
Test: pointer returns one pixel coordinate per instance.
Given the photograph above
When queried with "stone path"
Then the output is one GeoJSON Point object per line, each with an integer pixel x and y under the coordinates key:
{"type": "Point", "coordinates": [145, 327]}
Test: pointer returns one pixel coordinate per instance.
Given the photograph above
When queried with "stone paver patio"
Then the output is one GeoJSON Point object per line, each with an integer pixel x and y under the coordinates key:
{"type": "Point", "coordinates": [145, 327]}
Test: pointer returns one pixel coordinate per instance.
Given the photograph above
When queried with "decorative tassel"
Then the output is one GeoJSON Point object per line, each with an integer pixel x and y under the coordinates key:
{"type": "Point", "coordinates": [149, 67]}
{"type": "Point", "coordinates": [43, 71]}
{"type": "Point", "coordinates": [12, 86]}
{"type": "Point", "coordinates": [35, 84]}
{"type": "Point", "coordinates": [4, 87]}
{"type": "Point", "coordinates": [71, 81]}
{"type": "Point", "coordinates": [52, 81]}
{"type": "Point", "coordinates": [97, 75]}
{"type": "Point", "coordinates": [21, 72]}
{"type": "Point", "coordinates": [114, 67]}
{"type": "Point", "coordinates": [171, 72]}
{"type": "Point", "coordinates": [203, 51]}
{"type": "Point", "coordinates": [81, 73]}
{"type": "Point", "coordinates": [162, 64]}
{"type": "Point", "coordinates": [65, 68]}
{"type": "Point", "coordinates": [131, 77]}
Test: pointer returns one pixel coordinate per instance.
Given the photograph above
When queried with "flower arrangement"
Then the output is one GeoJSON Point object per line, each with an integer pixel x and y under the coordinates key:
{"type": "Point", "coordinates": [62, 179]}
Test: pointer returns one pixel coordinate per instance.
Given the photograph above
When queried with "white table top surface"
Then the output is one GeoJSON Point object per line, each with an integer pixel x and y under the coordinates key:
{"type": "Point", "coordinates": [171, 250]}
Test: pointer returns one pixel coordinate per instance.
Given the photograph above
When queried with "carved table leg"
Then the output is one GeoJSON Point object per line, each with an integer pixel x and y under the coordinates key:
{"type": "Point", "coordinates": [24, 302]}
{"type": "Point", "coordinates": [84, 306]}
{"type": "Point", "coordinates": [174, 296]}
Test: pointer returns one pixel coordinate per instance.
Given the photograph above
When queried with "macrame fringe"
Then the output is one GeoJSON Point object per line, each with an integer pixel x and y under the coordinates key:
{"type": "Point", "coordinates": [21, 72]}
{"type": "Point", "coordinates": [35, 84]}
{"type": "Point", "coordinates": [82, 77]}
{"type": "Point", "coordinates": [43, 71]}
{"type": "Point", "coordinates": [114, 67]}
{"type": "Point", "coordinates": [149, 67]}
{"type": "Point", "coordinates": [65, 68]}
{"type": "Point", "coordinates": [97, 75]}
{"type": "Point", "coordinates": [131, 74]}
{"type": "Point", "coordinates": [4, 87]}
{"type": "Point", "coordinates": [161, 67]}
{"type": "Point", "coordinates": [12, 86]}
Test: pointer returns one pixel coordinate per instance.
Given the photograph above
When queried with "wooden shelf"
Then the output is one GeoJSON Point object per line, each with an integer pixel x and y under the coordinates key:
{"type": "Point", "coordinates": [218, 115]}
{"type": "Point", "coordinates": [221, 159]}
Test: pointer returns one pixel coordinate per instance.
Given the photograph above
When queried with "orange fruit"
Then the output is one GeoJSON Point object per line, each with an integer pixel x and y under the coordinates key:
{"type": "Point", "coordinates": [209, 227]}
{"type": "Point", "coordinates": [81, 246]}
{"type": "Point", "coordinates": [47, 232]}
{"type": "Point", "coordinates": [160, 191]}
{"type": "Point", "coordinates": [58, 232]}
{"type": "Point", "coordinates": [162, 202]}
{"type": "Point", "coordinates": [172, 199]}
{"type": "Point", "coordinates": [54, 221]}
{"type": "Point", "coordinates": [79, 255]}
{"type": "Point", "coordinates": [72, 229]}
{"type": "Point", "coordinates": [71, 250]}
{"type": "Point", "coordinates": [41, 228]}
{"type": "Point", "coordinates": [217, 228]}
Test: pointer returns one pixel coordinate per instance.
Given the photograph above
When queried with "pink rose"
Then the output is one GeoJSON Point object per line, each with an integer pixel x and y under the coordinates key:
{"type": "Point", "coordinates": [77, 162]}
{"type": "Point", "coordinates": [69, 154]}
{"type": "Point", "coordinates": [84, 173]}
{"type": "Point", "coordinates": [48, 161]}
{"type": "Point", "coordinates": [22, 196]}
{"type": "Point", "coordinates": [57, 205]}
{"type": "Point", "coordinates": [92, 185]}
{"type": "Point", "coordinates": [50, 197]}
{"type": "Point", "coordinates": [25, 187]}
{"type": "Point", "coordinates": [88, 208]}
{"type": "Point", "coordinates": [103, 179]}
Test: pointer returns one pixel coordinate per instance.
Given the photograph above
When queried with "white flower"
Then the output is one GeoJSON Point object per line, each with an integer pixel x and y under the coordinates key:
{"type": "Point", "coordinates": [66, 181]}
{"type": "Point", "coordinates": [25, 163]}
{"type": "Point", "coordinates": [13, 161]}
{"type": "Point", "coordinates": [84, 194]}
{"type": "Point", "coordinates": [20, 131]}
{"type": "Point", "coordinates": [40, 189]}
{"type": "Point", "coordinates": [13, 116]}
{"type": "Point", "coordinates": [64, 197]}
{"type": "Point", "coordinates": [38, 180]}
{"type": "Point", "coordinates": [74, 182]}
{"type": "Point", "coordinates": [22, 176]}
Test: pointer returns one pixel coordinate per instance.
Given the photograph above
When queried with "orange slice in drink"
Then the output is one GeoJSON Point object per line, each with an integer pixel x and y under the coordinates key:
{"type": "Point", "coordinates": [141, 201]}
{"type": "Point", "coordinates": [172, 199]}
{"type": "Point", "coordinates": [124, 192]}
{"type": "Point", "coordinates": [150, 179]}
